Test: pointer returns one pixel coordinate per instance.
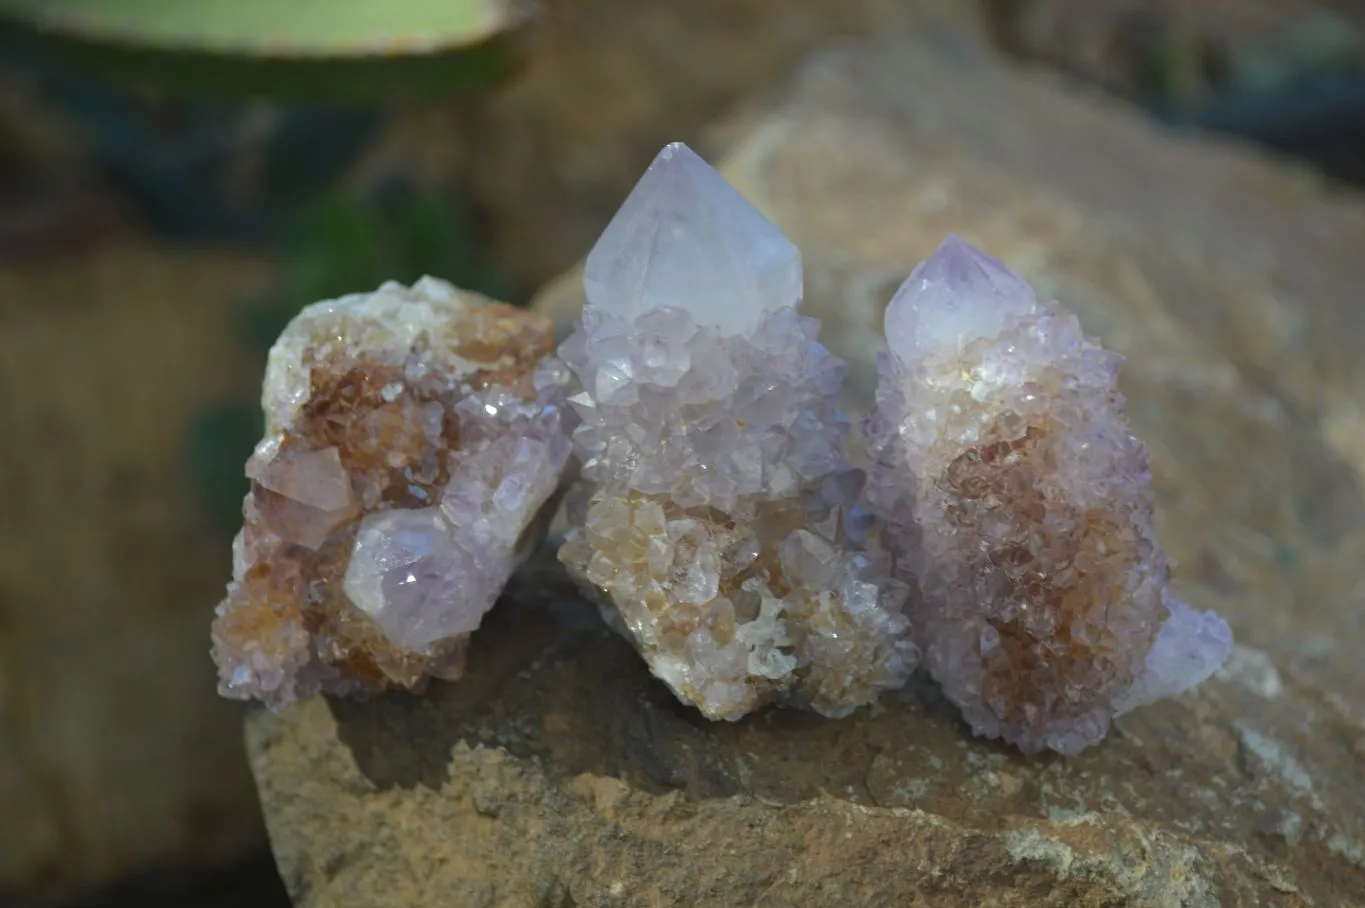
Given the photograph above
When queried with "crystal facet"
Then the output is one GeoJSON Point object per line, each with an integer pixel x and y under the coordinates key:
{"type": "Point", "coordinates": [958, 294]}
{"type": "Point", "coordinates": [686, 239]}
{"type": "Point", "coordinates": [1017, 500]}
{"type": "Point", "coordinates": [414, 443]}
{"type": "Point", "coordinates": [715, 517]}
{"type": "Point", "coordinates": [405, 572]}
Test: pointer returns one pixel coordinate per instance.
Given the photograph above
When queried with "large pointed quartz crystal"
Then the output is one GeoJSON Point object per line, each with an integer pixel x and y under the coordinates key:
{"type": "Point", "coordinates": [714, 518]}
{"type": "Point", "coordinates": [685, 239]}
{"type": "Point", "coordinates": [1017, 500]}
{"type": "Point", "coordinates": [414, 444]}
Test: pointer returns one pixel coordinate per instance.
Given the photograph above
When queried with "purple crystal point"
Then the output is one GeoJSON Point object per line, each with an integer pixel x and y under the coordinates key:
{"type": "Point", "coordinates": [685, 238]}
{"type": "Point", "coordinates": [408, 573]}
{"type": "Point", "coordinates": [1187, 651]}
{"type": "Point", "coordinates": [1016, 498]}
{"type": "Point", "coordinates": [305, 495]}
{"type": "Point", "coordinates": [959, 294]}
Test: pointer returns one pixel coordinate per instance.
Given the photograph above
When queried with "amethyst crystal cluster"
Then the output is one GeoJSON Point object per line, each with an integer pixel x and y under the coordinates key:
{"type": "Point", "coordinates": [715, 518]}
{"type": "Point", "coordinates": [1016, 496]}
{"type": "Point", "coordinates": [413, 440]}
{"type": "Point", "coordinates": [416, 440]}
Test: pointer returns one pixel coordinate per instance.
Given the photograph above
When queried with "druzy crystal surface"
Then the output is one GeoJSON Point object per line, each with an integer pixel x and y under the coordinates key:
{"type": "Point", "coordinates": [414, 443]}
{"type": "Point", "coordinates": [715, 516]}
{"type": "Point", "coordinates": [1016, 499]}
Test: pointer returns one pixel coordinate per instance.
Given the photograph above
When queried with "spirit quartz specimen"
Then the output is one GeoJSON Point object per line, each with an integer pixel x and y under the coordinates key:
{"type": "Point", "coordinates": [714, 516]}
{"type": "Point", "coordinates": [414, 442]}
{"type": "Point", "coordinates": [1017, 498]}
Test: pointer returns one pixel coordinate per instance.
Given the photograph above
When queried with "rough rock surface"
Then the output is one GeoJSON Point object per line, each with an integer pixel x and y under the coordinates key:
{"type": "Point", "coordinates": [558, 772]}
{"type": "Point", "coordinates": [116, 757]}
{"type": "Point", "coordinates": [555, 773]}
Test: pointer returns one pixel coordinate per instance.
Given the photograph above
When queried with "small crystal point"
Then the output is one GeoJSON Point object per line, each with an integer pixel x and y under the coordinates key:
{"type": "Point", "coordinates": [313, 478]}
{"type": "Point", "coordinates": [304, 496]}
{"type": "Point", "coordinates": [1189, 648]}
{"type": "Point", "coordinates": [686, 238]}
{"type": "Point", "coordinates": [959, 294]}
{"type": "Point", "coordinates": [405, 574]}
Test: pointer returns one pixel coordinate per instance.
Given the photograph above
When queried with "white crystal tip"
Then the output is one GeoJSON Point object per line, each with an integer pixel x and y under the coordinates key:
{"type": "Point", "coordinates": [960, 293]}
{"type": "Point", "coordinates": [685, 238]}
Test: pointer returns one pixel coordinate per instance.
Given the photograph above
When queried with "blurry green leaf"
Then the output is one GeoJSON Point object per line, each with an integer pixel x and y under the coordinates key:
{"type": "Point", "coordinates": [337, 246]}
{"type": "Point", "coordinates": [274, 28]}
{"type": "Point", "coordinates": [1169, 66]}
{"type": "Point", "coordinates": [312, 148]}
{"type": "Point", "coordinates": [333, 50]}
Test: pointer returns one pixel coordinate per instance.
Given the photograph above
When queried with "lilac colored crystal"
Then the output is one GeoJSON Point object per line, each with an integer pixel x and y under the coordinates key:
{"type": "Point", "coordinates": [311, 493]}
{"type": "Point", "coordinates": [407, 572]}
{"type": "Point", "coordinates": [1187, 651]}
{"type": "Point", "coordinates": [715, 518]}
{"type": "Point", "coordinates": [415, 439]}
{"type": "Point", "coordinates": [1017, 500]}
{"type": "Point", "coordinates": [686, 239]}
{"type": "Point", "coordinates": [431, 573]}
{"type": "Point", "coordinates": [959, 293]}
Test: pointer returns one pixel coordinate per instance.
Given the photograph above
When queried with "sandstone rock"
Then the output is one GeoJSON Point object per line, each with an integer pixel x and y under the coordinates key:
{"type": "Point", "coordinates": [557, 773]}
{"type": "Point", "coordinates": [116, 757]}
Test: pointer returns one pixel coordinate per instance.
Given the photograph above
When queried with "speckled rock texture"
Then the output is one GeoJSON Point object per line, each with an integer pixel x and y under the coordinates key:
{"type": "Point", "coordinates": [557, 773]}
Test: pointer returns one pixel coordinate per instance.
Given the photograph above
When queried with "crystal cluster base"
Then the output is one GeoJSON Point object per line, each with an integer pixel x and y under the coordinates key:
{"type": "Point", "coordinates": [1017, 500]}
{"type": "Point", "coordinates": [714, 518]}
{"type": "Point", "coordinates": [414, 444]}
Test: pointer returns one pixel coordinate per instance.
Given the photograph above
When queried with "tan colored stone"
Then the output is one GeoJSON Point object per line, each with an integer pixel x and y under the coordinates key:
{"type": "Point", "coordinates": [558, 774]}
{"type": "Point", "coordinates": [115, 754]}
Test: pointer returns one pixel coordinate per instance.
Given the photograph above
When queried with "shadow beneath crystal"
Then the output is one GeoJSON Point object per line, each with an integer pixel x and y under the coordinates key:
{"type": "Point", "coordinates": [402, 740]}
{"type": "Point", "coordinates": [383, 736]}
{"type": "Point", "coordinates": [548, 680]}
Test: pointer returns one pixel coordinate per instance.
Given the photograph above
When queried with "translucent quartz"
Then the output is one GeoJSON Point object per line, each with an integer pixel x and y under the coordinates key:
{"type": "Point", "coordinates": [414, 443]}
{"type": "Point", "coordinates": [1017, 500]}
{"type": "Point", "coordinates": [715, 517]}
{"type": "Point", "coordinates": [684, 238]}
